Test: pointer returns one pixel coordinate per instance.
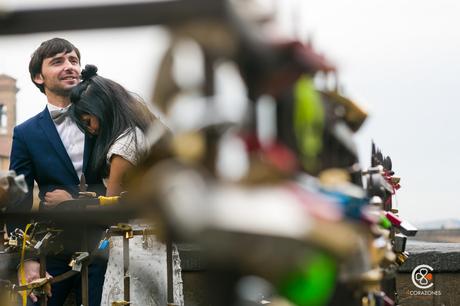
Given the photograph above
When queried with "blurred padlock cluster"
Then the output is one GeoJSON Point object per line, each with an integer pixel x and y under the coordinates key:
{"type": "Point", "coordinates": [277, 198]}
{"type": "Point", "coordinates": [259, 168]}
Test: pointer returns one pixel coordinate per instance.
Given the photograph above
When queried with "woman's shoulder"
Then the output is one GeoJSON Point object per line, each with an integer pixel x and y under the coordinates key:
{"type": "Point", "coordinates": [130, 135]}
{"type": "Point", "coordinates": [128, 145]}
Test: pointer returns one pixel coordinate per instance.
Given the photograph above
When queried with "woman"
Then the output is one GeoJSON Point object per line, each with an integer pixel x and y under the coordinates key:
{"type": "Point", "coordinates": [117, 119]}
{"type": "Point", "coordinates": [119, 122]}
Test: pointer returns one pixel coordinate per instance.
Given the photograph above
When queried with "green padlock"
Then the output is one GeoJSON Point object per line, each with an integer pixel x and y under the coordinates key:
{"type": "Point", "coordinates": [308, 120]}
{"type": "Point", "coordinates": [312, 283]}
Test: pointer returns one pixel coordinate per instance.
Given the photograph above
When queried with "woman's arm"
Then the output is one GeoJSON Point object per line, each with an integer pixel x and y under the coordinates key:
{"type": "Point", "coordinates": [118, 167]}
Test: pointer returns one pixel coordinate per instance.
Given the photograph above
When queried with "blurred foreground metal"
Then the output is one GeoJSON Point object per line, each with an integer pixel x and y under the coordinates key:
{"type": "Point", "coordinates": [287, 218]}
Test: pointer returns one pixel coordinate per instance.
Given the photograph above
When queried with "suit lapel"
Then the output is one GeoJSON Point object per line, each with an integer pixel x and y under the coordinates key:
{"type": "Point", "coordinates": [47, 124]}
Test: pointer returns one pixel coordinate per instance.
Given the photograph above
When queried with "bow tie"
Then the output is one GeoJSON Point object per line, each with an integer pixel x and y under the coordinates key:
{"type": "Point", "coordinates": [59, 115]}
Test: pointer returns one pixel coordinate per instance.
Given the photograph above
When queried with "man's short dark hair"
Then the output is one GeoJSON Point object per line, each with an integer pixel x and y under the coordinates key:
{"type": "Point", "coordinates": [48, 49]}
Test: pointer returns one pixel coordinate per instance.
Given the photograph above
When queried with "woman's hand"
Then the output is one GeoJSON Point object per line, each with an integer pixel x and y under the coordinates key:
{"type": "Point", "coordinates": [55, 197]}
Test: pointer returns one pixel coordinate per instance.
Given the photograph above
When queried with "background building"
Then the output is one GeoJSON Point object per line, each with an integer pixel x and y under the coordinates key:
{"type": "Point", "coordinates": [8, 92]}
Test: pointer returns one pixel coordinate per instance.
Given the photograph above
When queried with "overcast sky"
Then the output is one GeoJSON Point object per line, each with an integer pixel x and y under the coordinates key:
{"type": "Point", "coordinates": [398, 58]}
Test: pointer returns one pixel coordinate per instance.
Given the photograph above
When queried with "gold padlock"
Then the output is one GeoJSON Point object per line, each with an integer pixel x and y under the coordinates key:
{"type": "Point", "coordinates": [13, 242]}
{"type": "Point", "coordinates": [129, 234]}
{"type": "Point", "coordinates": [120, 303]}
{"type": "Point", "coordinates": [401, 257]}
{"type": "Point", "coordinates": [365, 301]}
{"type": "Point", "coordinates": [126, 229]}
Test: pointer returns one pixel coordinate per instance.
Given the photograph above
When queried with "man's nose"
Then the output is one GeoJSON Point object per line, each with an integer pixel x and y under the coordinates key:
{"type": "Point", "coordinates": [68, 65]}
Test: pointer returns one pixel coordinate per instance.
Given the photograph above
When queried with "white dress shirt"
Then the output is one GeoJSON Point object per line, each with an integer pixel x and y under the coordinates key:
{"type": "Point", "coordinates": [72, 138]}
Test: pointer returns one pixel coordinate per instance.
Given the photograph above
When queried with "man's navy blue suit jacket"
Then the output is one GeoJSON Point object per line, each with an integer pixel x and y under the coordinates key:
{"type": "Point", "coordinates": [39, 154]}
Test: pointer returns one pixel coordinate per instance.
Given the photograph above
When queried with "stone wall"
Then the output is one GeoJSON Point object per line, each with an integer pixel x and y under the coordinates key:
{"type": "Point", "coordinates": [444, 258]}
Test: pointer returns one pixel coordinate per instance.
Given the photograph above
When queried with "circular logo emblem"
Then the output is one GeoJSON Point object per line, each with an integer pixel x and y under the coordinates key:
{"type": "Point", "coordinates": [422, 276]}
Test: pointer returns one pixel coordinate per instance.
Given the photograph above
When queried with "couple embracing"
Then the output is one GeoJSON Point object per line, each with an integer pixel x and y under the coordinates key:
{"type": "Point", "coordinates": [92, 127]}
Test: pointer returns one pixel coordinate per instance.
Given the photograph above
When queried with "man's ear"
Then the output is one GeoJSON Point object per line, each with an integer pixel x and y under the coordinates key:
{"type": "Point", "coordinates": [38, 78]}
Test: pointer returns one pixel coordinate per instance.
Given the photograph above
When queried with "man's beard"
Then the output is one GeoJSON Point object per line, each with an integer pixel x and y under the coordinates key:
{"type": "Point", "coordinates": [63, 92]}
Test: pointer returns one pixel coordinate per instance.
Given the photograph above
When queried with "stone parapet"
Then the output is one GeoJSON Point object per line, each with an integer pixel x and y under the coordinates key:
{"type": "Point", "coordinates": [444, 258]}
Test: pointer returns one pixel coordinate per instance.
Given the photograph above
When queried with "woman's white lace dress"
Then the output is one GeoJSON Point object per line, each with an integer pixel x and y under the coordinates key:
{"type": "Point", "coordinates": [147, 262]}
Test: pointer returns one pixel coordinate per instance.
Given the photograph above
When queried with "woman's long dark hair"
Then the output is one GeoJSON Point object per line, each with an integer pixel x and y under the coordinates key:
{"type": "Point", "coordinates": [117, 110]}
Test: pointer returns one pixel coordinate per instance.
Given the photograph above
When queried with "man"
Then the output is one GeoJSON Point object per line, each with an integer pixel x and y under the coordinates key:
{"type": "Point", "coordinates": [51, 150]}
